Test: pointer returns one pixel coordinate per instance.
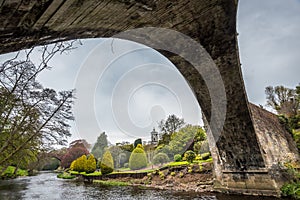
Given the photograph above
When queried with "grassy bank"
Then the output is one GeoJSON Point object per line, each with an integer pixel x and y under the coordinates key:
{"type": "Point", "coordinates": [10, 172]}
{"type": "Point", "coordinates": [111, 183]}
{"type": "Point", "coordinates": [65, 175]}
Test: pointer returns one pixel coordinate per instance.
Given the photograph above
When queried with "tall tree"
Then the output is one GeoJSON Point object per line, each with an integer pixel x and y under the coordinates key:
{"type": "Point", "coordinates": [169, 126]}
{"type": "Point", "coordinates": [284, 100]}
{"type": "Point", "coordinates": [99, 147]}
{"type": "Point", "coordinates": [182, 140]}
{"type": "Point", "coordinates": [32, 117]}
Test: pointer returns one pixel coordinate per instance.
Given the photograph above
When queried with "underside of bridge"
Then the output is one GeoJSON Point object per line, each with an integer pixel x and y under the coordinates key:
{"type": "Point", "coordinates": [242, 158]}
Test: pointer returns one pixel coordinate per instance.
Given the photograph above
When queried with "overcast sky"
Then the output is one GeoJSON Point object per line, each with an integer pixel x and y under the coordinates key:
{"type": "Point", "coordinates": [124, 88]}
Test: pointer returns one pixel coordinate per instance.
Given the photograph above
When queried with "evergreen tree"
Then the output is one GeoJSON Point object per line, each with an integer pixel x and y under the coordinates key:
{"type": "Point", "coordinates": [99, 147]}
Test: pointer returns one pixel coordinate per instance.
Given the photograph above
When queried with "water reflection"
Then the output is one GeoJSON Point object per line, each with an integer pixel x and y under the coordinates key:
{"type": "Point", "coordinates": [46, 186]}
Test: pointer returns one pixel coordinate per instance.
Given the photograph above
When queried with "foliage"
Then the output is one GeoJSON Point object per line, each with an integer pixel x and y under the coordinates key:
{"type": "Point", "coordinates": [31, 117]}
{"type": "Point", "coordinates": [161, 175]}
{"type": "Point", "coordinates": [181, 140]}
{"type": "Point", "coordinates": [291, 190]}
{"type": "Point", "coordinates": [181, 174]}
{"type": "Point", "coordinates": [117, 154]}
{"type": "Point", "coordinates": [12, 172]}
{"type": "Point", "coordinates": [100, 145]}
{"type": "Point", "coordinates": [189, 156]}
{"type": "Point", "coordinates": [138, 159]}
{"type": "Point", "coordinates": [181, 163]}
{"type": "Point", "coordinates": [177, 157]}
{"type": "Point", "coordinates": [65, 175]}
{"type": "Point", "coordinates": [107, 163]}
{"type": "Point", "coordinates": [90, 165]}
{"type": "Point", "coordinates": [171, 124]}
{"type": "Point", "coordinates": [74, 152]}
{"type": "Point", "coordinates": [205, 156]}
{"type": "Point", "coordinates": [160, 158]}
{"type": "Point", "coordinates": [80, 143]}
{"type": "Point", "coordinates": [136, 142]}
{"type": "Point", "coordinates": [173, 173]}
{"type": "Point", "coordinates": [284, 100]}
{"type": "Point", "coordinates": [79, 164]}
{"type": "Point", "coordinates": [296, 136]}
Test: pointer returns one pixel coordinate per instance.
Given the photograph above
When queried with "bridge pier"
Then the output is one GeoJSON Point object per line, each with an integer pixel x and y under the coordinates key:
{"type": "Point", "coordinates": [277, 147]}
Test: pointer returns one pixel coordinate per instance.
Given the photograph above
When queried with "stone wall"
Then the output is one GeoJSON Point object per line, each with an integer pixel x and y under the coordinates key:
{"type": "Point", "coordinates": [276, 143]}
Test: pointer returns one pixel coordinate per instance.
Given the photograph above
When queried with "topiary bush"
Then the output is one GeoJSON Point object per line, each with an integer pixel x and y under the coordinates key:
{"type": "Point", "coordinates": [79, 164]}
{"type": "Point", "coordinates": [90, 164]}
{"type": "Point", "coordinates": [160, 158]}
{"type": "Point", "coordinates": [177, 158]}
{"type": "Point", "coordinates": [189, 156]}
{"type": "Point", "coordinates": [138, 158]}
{"type": "Point", "coordinates": [107, 163]}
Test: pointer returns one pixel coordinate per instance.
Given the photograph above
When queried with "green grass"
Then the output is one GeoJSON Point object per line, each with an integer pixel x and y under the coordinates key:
{"type": "Point", "coordinates": [65, 175]}
{"type": "Point", "coordinates": [123, 169]}
{"type": "Point", "coordinates": [94, 174]}
{"type": "Point", "coordinates": [173, 164]}
{"type": "Point", "coordinates": [9, 172]}
{"type": "Point", "coordinates": [111, 183]}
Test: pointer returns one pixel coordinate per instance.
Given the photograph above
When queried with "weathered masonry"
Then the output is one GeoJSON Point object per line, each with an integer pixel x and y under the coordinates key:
{"type": "Point", "coordinates": [249, 149]}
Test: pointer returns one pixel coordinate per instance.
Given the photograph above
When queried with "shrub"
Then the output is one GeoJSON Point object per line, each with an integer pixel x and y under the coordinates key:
{"type": "Point", "coordinates": [79, 164]}
{"type": "Point", "coordinates": [173, 173]}
{"type": "Point", "coordinates": [189, 155]}
{"type": "Point", "coordinates": [181, 174]}
{"type": "Point", "coordinates": [161, 175]}
{"type": "Point", "coordinates": [198, 157]}
{"type": "Point", "coordinates": [90, 165]}
{"type": "Point", "coordinates": [138, 158]}
{"type": "Point", "coordinates": [205, 156]}
{"type": "Point", "coordinates": [107, 163]}
{"type": "Point", "coordinates": [160, 158]}
{"type": "Point", "coordinates": [177, 158]}
{"type": "Point", "coordinates": [291, 190]}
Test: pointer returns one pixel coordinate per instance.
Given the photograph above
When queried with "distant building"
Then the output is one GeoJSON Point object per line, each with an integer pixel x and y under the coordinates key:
{"type": "Point", "coordinates": [154, 137]}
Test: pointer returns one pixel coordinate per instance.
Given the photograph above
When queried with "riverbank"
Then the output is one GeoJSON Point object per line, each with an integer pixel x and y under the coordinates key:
{"type": "Point", "coordinates": [12, 172]}
{"type": "Point", "coordinates": [190, 178]}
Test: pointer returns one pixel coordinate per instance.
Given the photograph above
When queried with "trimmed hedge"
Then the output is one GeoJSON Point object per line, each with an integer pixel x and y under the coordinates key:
{"type": "Point", "coordinates": [138, 158]}
{"type": "Point", "coordinates": [107, 163]}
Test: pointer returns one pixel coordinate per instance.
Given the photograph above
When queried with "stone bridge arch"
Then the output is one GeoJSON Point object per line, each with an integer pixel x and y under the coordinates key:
{"type": "Point", "coordinates": [243, 158]}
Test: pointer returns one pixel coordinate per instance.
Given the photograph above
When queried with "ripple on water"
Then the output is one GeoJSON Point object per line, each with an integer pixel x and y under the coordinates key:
{"type": "Point", "coordinates": [46, 186]}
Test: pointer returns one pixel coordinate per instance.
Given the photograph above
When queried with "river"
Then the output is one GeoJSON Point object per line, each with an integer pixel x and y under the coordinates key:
{"type": "Point", "coordinates": [46, 186]}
